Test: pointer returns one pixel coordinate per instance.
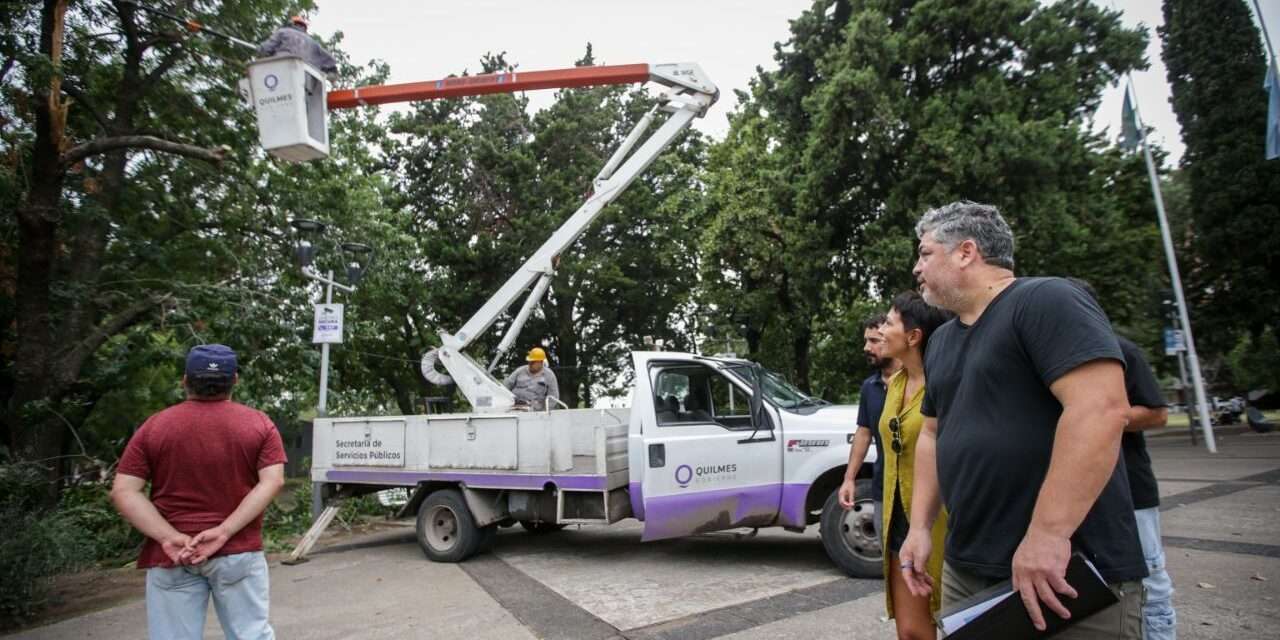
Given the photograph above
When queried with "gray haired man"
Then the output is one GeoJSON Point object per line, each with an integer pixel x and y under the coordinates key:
{"type": "Point", "coordinates": [1024, 408]}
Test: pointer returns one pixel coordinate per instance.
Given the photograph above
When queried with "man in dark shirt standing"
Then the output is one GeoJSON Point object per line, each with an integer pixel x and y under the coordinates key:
{"type": "Point", "coordinates": [214, 466]}
{"type": "Point", "coordinates": [870, 405]}
{"type": "Point", "coordinates": [292, 40]}
{"type": "Point", "coordinates": [1024, 408]}
{"type": "Point", "coordinates": [1147, 410]}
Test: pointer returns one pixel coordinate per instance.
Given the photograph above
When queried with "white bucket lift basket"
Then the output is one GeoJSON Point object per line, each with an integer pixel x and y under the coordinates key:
{"type": "Point", "coordinates": [289, 98]}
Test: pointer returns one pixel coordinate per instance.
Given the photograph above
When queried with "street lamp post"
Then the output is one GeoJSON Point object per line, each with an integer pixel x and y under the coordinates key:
{"type": "Point", "coordinates": [357, 258]}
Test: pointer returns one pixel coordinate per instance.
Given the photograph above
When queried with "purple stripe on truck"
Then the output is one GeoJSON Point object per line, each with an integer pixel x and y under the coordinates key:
{"type": "Point", "coordinates": [692, 512]}
{"type": "Point", "coordinates": [474, 480]}
{"type": "Point", "coordinates": [636, 491]}
{"type": "Point", "coordinates": [792, 513]}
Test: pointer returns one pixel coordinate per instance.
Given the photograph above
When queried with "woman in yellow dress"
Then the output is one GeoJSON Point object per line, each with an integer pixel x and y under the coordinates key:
{"type": "Point", "coordinates": [906, 332]}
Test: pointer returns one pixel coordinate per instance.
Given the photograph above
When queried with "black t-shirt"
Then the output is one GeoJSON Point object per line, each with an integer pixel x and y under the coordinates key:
{"type": "Point", "coordinates": [1144, 391]}
{"type": "Point", "coordinates": [988, 385]}
{"type": "Point", "coordinates": [870, 406]}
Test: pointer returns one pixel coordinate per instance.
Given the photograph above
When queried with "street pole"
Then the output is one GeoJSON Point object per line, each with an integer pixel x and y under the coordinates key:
{"type": "Point", "coordinates": [1271, 52]}
{"type": "Point", "coordinates": [322, 409]}
{"type": "Point", "coordinates": [1193, 360]}
{"type": "Point", "coordinates": [1182, 377]}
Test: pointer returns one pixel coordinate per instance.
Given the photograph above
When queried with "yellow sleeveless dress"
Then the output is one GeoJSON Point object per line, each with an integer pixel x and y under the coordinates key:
{"type": "Point", "coordinates": [899, 471]}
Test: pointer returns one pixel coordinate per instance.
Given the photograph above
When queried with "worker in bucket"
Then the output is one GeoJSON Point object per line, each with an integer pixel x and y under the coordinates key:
{"type": "Point", "coordinates": [292, 40]}
{"type": "Point", "coordinates": [533, 383]}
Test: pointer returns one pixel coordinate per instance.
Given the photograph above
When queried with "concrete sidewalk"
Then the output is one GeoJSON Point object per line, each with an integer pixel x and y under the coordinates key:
{"type": "Point", "coordinates": [1221, 527]}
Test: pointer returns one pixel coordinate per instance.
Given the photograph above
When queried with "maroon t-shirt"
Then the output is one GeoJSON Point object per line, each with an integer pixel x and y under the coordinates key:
{"type": "Point", "coordinates": [202, 458]}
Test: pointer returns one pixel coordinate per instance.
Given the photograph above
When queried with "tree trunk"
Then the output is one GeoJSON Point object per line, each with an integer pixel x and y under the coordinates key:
{"type": "Point", "coordinates": [754, 336]}
{"type": "Point", "coordinates": [567, 341]}
{"type": "Point", "coordinates": [800, 357]}
{"type": "Point", "coordinates": [35, 432]}
{"type": "Point", "coordinates": [403, 398]}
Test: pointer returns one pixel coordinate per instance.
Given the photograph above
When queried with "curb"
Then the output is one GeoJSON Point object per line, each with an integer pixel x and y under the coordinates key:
{"type": "Point", "coordinates": [1181, 432]}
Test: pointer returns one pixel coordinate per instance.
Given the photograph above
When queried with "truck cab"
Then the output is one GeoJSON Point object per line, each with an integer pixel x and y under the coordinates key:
{"type": "Point", "coordinates": [720, 443]}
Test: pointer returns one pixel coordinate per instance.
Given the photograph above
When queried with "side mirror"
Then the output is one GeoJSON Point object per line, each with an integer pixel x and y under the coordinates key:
{"type": "Point", "coordinates": [757, 402]}
{"type": "Point", "coordinates": [759, 415]}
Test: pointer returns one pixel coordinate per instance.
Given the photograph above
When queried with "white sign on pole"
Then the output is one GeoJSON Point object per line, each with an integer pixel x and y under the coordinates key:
{"type": "Point", "coordinates": [328, 325]}
{"type": "Point", "coordinates": [1174, 342]}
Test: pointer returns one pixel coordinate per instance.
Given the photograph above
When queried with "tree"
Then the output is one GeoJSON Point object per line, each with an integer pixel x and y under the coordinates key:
{"type": "Point", "coordinates": [882, 109]}
{"type": "Point", "coordinates": [64, 229]}
{"type": "Point", "coordinates": [122, 250]}
{"type": "Point", "coordinates": [1216, 66]}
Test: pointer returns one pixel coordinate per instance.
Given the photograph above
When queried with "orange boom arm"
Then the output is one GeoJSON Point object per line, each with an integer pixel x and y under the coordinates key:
{"type": "Point", "coordinates": [489, 83]}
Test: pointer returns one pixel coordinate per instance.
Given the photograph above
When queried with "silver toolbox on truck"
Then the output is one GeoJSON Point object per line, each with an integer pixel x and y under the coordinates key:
{"type": "Point", "coordinates": [570, 450]}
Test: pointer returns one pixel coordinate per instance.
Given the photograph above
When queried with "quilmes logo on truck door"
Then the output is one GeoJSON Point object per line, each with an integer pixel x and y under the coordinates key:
{"type": "Point", "coordinates": [703, 474]}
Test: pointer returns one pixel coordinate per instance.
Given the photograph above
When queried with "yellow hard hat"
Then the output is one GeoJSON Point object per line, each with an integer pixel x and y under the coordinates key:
{"type": "Point", "coordinates": [536, 354]}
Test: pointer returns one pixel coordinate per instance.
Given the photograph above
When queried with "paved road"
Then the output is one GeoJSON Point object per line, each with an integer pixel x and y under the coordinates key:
{"type": "Point", "coordinates": [1221, 527]}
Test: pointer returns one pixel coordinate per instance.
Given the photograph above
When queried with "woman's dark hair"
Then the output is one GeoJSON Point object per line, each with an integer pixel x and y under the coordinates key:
{"type": "Point", "coordinates": [918, 314]}
{"type": "Point", "coordinates": [210, 386]}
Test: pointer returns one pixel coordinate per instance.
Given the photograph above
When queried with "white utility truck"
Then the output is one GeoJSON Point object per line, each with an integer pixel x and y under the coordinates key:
{"type": "Point", "coordinates": [708, 443]}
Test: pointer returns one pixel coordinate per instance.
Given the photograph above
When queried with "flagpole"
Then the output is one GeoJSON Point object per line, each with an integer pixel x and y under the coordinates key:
{"type": "Point", "coordinates": [1193, 362]}
{"type": "Point", "coordinates": [1271, 53]}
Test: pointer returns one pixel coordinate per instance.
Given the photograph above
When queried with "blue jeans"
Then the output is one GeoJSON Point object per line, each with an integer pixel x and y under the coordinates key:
{"type": "Point", "coordinates": [1159, 620]}
{"type": "Point", "coordinates": [178, 598]}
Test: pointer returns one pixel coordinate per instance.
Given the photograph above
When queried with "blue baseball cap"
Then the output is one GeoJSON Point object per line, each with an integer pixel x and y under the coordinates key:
{"type": "Point", "coordinates": [210, 360]}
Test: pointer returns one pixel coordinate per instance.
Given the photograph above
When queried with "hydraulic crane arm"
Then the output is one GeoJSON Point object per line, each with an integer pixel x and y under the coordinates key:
{"type": "Point", "coordinates": [689, 93]}
{"type": "Point", "coordinates": [687, 76]}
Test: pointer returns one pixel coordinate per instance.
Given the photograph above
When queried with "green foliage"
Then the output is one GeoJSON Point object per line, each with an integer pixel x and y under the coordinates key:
{"type": "Point", "coordinates": [1216, 65]}
{"type": "Point", "coordinates": [288, 517]}
{"type": "Point", "coordinates": [35, 543]}
{"type": "Point", "coordinates": [880, 110]}
{"type": "Point", "coordinates": [1252, 361]}
{"type": "Point", "coordinates": [111, 538]}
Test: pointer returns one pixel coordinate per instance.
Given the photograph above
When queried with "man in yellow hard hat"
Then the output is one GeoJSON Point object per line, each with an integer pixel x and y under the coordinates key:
{"type": "Point", "coordinates": [533, 383]}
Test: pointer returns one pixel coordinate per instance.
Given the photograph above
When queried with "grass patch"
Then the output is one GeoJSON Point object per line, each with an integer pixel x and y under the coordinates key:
{"type": "Point", "coordinates": [289, 515]}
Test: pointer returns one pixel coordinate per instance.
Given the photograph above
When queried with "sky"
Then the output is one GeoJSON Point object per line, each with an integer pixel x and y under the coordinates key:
{"type": "Point", "coordinates": [427, 40]}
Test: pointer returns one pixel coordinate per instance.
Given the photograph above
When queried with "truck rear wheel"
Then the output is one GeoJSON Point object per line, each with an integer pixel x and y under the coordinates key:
{"type": "Point", "coordinates": [447, 532]}
{"type": "Point", "coordinates": [850, 537]}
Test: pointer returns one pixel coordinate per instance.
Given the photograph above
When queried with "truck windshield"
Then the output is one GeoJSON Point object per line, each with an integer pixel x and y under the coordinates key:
{"type": "Point", "coordinates": [776, 388]}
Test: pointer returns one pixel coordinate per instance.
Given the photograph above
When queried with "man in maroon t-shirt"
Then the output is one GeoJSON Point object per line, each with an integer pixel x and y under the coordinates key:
{"type": "Point", "coordinates": [214, 466]}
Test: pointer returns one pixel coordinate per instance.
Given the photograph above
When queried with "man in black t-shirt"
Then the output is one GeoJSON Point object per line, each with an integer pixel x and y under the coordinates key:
{"type": "Point", "coordinates": [1147, 410]}
{"type": "Point", "coordinates": [1024, 410]}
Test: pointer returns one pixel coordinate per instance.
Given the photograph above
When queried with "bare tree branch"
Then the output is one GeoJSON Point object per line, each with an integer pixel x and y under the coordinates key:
{"type": "Point", "coordinates": [165, 65]}
{"type": "Point", "coordinates": [69, 366]}
{"type": "Point", "coordinates": [83, 100]}
{"type": "Point", "coordinates": [77, 153]}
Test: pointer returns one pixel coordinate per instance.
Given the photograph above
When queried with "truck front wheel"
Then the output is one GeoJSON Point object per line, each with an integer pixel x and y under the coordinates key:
{"type": "Point", "coordinates": [849, 536]}
{"type": "Point", "coordinates": [446, 530]}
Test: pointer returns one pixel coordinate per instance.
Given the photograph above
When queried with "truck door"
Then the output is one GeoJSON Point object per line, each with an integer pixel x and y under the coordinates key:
{"type": "Point", "coordinates": [709, 465]}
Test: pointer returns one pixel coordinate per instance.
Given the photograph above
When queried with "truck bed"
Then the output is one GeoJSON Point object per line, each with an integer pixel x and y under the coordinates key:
{"type": "Point", "coordinates": [572, 450]}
